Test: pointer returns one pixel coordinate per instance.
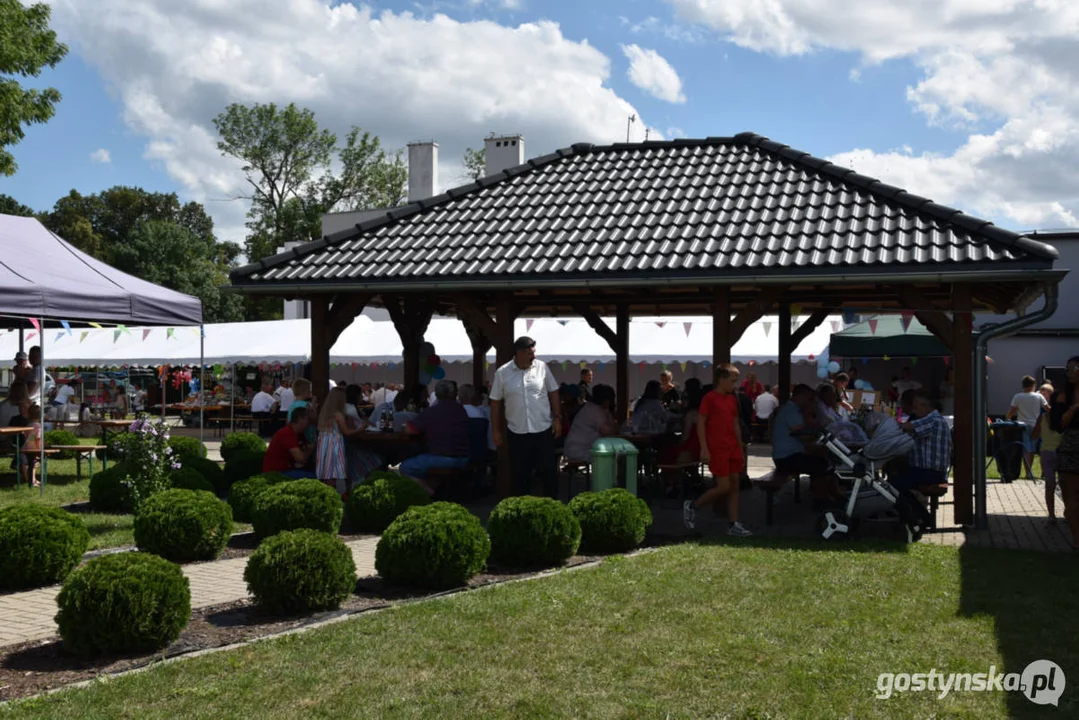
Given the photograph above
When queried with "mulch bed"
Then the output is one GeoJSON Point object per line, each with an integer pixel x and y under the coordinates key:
{"type": "Point", "coordinates": [41, 665]}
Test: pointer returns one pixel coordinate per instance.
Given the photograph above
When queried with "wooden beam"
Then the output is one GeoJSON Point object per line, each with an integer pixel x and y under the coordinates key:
{"type": "Point", "coordinates": [965, 422]}
{"type": "Point", "coordinates": [411, 316]}
{"type": "Point", "coordinates": [467, 307]}
{"type": "Point", "coordinates": [503, 341]}
{"type": "Point", "coordinates": [320, 347]}
{"type": "Point", "coordinates": [806, 329]}
{"type": "Point", "coordinates": [480, 345]}
{"type": "Point", "coordinates": [753, 311]}
{"type": "Point", "coordinates": [786, 349]}
{"type": "Point", "coordinates": [343, 311]}
{"type": "Point", "coordinates": [928, 314]}
{"type": "Point", "coordinates": [621, 359]}
{"type": "Point", "coordinates": [721, 326]}
{"type": "Point", "coordinates": [596, 323]}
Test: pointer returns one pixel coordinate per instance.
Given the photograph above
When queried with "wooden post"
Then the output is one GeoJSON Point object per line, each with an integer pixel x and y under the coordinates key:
{"type": "Point", "coordinates": [786, 349]}
{"type": "Point", "coordinates": [479, 363]}
{"type": "Point", "coordinates": [621, 360]}
{"type": "Point", "coordinates": [721, 326]}
{"type": "Point", "coordinates": [504, 349]}
{"type": "Point", "coordinates": [320, 347]}
{"type": "Point", "coordinates": [965, 422]}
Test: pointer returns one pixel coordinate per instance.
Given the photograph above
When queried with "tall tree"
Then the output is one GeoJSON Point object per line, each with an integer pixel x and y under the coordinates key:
{"type": "Point", "coordinates": [288, 160]}
{"type": "Point", "coordinates": [11, 206]}
{"type": "Point", "coordinates": [27, 46]}
{"type": "Point", "coordinates": [475, 163]}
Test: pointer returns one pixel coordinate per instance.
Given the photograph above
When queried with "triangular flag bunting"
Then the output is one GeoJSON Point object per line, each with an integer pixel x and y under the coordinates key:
{"type": "Point", "coordinates": [583, 365]}
{"type": "Point", "coordinates": [835, 326]}
{"type": "Point", "coordinates": [30, 336]}
{"type": "Point", "coordinates": [886, 357]}
{"type": "Point", "coordinates": [865, 361]}
{"type": "Point", "coordinates": [660, 324]}
{"type": "Point", "coordinates": [767, 328]}
{"type": "Point", "coordinates": [58, 336]}
{"type": "Point", "coordinates": [564, 364]}
{"type": "Point", "coordinates": [83, 334]}
{"type": "Point", "coordinates": [796, 309]}
{"type": "Point", "coordinates": [641, 367]}
{"type": "Point", "coordinates": [683, 366]}
{"type": "Point", "coordinates": [170, 333]}
{"type": "Point", "coordinates": [528, 324]}
{"type": "Point", "coordinates": [688, 327]}
{"type": "Point", "coordinates": [905, 319]}
{"type": "Point", "coordinates": [95, 325]}
{"type": "Point", "coordinates": [914, 361]}
{"type": "Point", "coordinates": [123, 329]}
{"type": "Point", "coordinates": [873, 325]}
{"type": "Point", "coordinates": [35, 323]}
{"type": "Point", "coordinates": [704, 364]}
{"type": "Point", "coordinates": [66, 325]}
{"type": "Point", "coordinates": [116, 335]}
{"type": "Point", "coordinates": [195, 330]}
{"type": "Point", "coordinates": [563, 323]}
{"type": "Point", "coordinates": [146, 333]}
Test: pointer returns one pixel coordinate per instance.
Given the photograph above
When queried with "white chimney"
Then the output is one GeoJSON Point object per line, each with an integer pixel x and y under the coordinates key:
{"type": "Point", "coordinates": [422, 170]}
{"type": "Point", "coordinates": [295, 309]}
{"type": "Point", "coordinates": [504, 152]}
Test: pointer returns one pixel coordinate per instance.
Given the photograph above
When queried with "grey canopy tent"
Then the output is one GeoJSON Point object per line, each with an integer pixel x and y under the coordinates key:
{"type": "Point", "coordinates": [885, 335]}
{"type": "Point", "coordinates": [45, 280]}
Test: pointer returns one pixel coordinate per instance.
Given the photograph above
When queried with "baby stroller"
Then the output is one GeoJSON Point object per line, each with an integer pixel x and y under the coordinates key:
{"type": "Point", "coordinates": [860, 460]}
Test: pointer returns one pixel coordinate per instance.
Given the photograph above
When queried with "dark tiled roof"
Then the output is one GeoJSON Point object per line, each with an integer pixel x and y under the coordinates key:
{"type": "Point", "coordinates": [742, 206]}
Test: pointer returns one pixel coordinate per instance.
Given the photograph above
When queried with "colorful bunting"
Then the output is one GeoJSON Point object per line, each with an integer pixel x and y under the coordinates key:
{"type": "Point", "coordinates": [865, 361]}
{"type": "Point", "coordinates": [563, 323]}
{"type": "Point", "coordinates": [767, 327]}
{"type": "Point", "coordinates": [811, 356]}
{"type": "Point", "coordinates": [528, 324]}
{"type": "Point", "coordinates": [83, 334]}
{"type": "Point", "coordinates": [95, 325]}
{"type": "Point", "coordinates": [171, 333]}
{"type": "Point", "coordinates": [914, 361]}
{"type": "Point", "coordinates": [564, 365]}
{"type": "Point", "coordinates": [886, 357]}
{"type": "Point", "coordinates": [688, 326]}
{"type": "Point", "coordinates": [30, 336]}
{"type": "Point", "coordinates": [66, 325]}
{"type": "Point", "coordinates": [796, 309]}
{"type": "Point", "coordinates": [683, 364]}
{"type": "Point", "coordinates": [905, 317]}
{"type": "Point", "coordinates": [146, 334]}
{"type": "Point", "coordinates": [873, 326]}
{"type": "Point", "coordinates": [35, 323]}
{"type": "Point", "coordinates": [58, 336]}
{"type": "Point", "coordinates": [584, 365]}
{"type": "Point", "coordinates": [116, 335]}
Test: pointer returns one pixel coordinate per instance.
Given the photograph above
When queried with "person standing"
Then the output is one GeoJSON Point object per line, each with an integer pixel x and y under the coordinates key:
{"type": "Point", "coordinates": [1064, 419]}
{"type": "Point", "coordinates": [1050, 441]}
{"type": "Point", "coordinates": [525, 394]}
{"type": "Point", "coordinates": [1027, 407]}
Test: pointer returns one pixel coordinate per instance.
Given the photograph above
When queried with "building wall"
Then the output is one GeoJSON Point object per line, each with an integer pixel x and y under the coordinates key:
{"type": "Point", "coordinates": [1014, 357]}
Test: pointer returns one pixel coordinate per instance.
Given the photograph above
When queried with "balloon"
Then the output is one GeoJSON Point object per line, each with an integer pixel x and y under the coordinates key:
{"type": "Point", "coordinates": [434, 360]}
{"type": "Point", "coordinates": [833, 367]}
{"type": "Point", "coordinates": [439, 373]}
{"type": "Point", "coordinates": [859, 384]}
{"type": "Point", "coordinates": [822, 373]}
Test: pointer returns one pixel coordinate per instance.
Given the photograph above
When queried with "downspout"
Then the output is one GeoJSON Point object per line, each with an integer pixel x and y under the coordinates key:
{"type": "Point", "coordinates": [981, 347]}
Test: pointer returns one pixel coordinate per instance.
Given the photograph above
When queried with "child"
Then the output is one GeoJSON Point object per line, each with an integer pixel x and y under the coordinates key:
{"type": "Point", "coordinates": [720, 436]}
{"type": "Point", "coordinates": [32, 444]}
{"type": "Point", "coordinates": [303, 398]}
{"type": "Point", "coordinates": [336, 463]}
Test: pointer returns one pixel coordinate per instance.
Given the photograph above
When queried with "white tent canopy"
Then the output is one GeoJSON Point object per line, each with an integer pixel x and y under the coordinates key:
{"type": "Point", "coordinates": [366, 341]}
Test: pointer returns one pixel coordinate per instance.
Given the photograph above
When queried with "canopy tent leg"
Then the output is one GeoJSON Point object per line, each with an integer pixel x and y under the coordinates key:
{"type": "Point", "coordinates": [202, 384]}
{"type": "Point", "coordinates": [41, 402]}
{"type": "Point", "coordinates": [232, 401]}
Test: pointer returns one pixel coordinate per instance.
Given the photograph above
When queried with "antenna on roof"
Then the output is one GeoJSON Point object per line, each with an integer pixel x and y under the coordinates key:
{"type": "Point", "coordinates": [632, 119]}
{"type": "Point", "coordinates": [646, 131]}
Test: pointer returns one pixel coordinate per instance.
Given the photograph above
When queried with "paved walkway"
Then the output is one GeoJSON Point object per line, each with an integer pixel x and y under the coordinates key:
{"type": "Point", "coordinates": [29, 615]}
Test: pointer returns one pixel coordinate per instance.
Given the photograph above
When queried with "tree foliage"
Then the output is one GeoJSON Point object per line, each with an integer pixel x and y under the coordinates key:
{"type": "Point", "coordinates": [27, 46]}
{"type": "Point", "coordinates": [296, 171]}
{"type": "Point", "coordinates": [475, 163]}
{"type": "Point", "coordinates": [11, 206]}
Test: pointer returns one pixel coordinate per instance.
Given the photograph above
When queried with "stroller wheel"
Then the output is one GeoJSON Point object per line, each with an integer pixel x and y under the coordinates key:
{"type": "Point", "coordinates": [834, 525]}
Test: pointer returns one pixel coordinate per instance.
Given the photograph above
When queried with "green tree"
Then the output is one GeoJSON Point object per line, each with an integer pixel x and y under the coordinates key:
{"type": "Point", "coordinates": [475, 163]}
{"type": "Point", "coordinates": [288, 160]}
{"type": "Point", "coordinates": [27, 46]}
{"type": "Point", "coordinates": [11, 206]}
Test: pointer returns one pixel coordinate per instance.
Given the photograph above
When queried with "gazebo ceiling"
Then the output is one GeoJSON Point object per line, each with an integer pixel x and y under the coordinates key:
{"type": "Point", "coordinates": [654, 224]}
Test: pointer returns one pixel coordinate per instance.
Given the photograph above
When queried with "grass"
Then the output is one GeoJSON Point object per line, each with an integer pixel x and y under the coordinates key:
{"type": "Point", "coordinates": [770, 629]}
{"type": "Point", "coordinates": [993, 472]}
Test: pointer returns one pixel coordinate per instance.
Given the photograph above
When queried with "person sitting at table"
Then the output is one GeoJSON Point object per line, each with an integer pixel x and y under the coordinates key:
{"type": "Point", "coordinates": [263, 407]}
{"type": "Point", "coordinates": [689, 449]}
{"type": "Point", "coordinates": [472, 402]}
{"type": "Point", "coordinates": [402, 412]}
{"type": "Point", "coordinates": [827, 405]}
{"type": "Point", "coordinates": [339, 463]}
{"type": "Point", "coordinates": [445, 430]}
{"type": "Point", "coordinates": [302, 390]}
{"type": "Point", "coordinates": [752, 387]}
{"type": "Point", "coordinates": [289, 452]}
{"type": "Point", "coordinates": [931, 457]}
{"type": "Point", "coordinates": [140, 399]}
{"type": "Point", "coordinates": [796, 455]}
{"type": "Point", "coordinates": [594, 420]}
{"type": "Point", "coordinates": [649, 416]}
{"type": "Point", "coordinates": [668, 391]}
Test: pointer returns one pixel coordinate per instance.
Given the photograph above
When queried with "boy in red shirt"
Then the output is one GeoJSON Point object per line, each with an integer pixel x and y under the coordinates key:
{"type": "Point", "coordinates": [720, 435]}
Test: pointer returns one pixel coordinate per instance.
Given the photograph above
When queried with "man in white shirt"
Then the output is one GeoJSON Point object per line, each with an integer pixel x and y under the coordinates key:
{"type": "Point", "coordinates": [1027, 407]}
{"type": "Point", "coordinates": [36, 375]}
{"type": "Point", "coordinates": [766, 404]}
{"type": "Point", "coordinates": [469, 398]}
{"type": "Point", "coordinates": [524, 394]}
{"type": "Point", "coordinates": [905, 383]}
{"type": "Point", "coordinates": [263, 400]}
{"type": "Point", "coordinates": [65, 398]}
{"type": "Point", "coordinates": [285, 396]}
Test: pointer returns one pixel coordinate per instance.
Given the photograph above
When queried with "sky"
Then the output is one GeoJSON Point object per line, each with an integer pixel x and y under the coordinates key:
{"type": "Point", "coordinates": [973, 103]}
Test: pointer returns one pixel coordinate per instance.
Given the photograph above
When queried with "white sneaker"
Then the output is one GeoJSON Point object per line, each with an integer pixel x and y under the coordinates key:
{"type": "Point", "coordinates": [736, 530]}
{"type": "Point", "coordinates": [689, 514]}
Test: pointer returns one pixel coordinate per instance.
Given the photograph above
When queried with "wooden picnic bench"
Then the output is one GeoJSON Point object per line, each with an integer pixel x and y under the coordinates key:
{"type": "Point", "coordinates": [81, 451]}
{"type": "Point", "coordinates": [772, 486]}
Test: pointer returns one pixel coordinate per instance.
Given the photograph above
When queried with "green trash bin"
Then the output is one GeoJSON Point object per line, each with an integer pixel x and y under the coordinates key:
{"type": "Point", "coordinates": [605, 455]}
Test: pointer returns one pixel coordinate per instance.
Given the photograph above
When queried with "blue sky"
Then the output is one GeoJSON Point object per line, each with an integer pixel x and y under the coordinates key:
{"type": "Point", "coordinates": [126, 93]}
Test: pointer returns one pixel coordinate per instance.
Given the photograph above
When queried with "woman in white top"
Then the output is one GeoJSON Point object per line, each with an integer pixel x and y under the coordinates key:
{"type": "Point", "coordinates": [649, 416]}
{"type": "Point", "coordinates": [593, 421]}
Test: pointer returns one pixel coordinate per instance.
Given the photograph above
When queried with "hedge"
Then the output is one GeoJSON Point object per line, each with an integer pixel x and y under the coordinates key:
{"type": "Point", "coordinates": [183, 525]}
{"type": "Point", "coordinates": [380, 499]}
{"type": "Point", "coordinates": [39, 545]}
{"type": "Point", "coordinates": [614, 520]}
{"type": "Point", "coordinates": [244, 464]}
{"type": "Point", "coordinates": [108, 491]}
{"type": "Point", "coordinates": [61, 437]}
{"type": "Point", "coordinates": [294, 505]}
{"type": "Point", "coordinates": [301, 571]}
{"type": "Point", "coordinates": [185, 446]}
{"type": "Point", "coordinates": [188, 479]}
{"type": "Point", "coordinates": [238, 442]}
{"type": "Point", "coordinates": [208, 469]}
{"type": "Point", "coordinates": [242, 495]}
{"type": "Point", "coordinates": [533, 531]}
{"type": "Point", "coordinates": [435, 547]}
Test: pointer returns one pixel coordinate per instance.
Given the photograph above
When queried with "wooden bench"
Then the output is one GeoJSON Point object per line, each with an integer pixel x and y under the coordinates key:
{"type": "Point", "coordinates": [80, 451]}
{"type": "Point", "coordinates": [934, 493]}
{"type": "Point", "coordinates": [772, 486]}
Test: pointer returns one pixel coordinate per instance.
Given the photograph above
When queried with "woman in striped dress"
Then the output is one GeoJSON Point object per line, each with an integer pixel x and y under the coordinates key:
{"type": "Point", "coordinates": [332, 459]}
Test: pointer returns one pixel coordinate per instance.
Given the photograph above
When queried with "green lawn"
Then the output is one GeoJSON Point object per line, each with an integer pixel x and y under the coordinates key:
{"type": "Point", "coordinates": [993, 472]}
{"type": "Point", "coordinates": [767, 629]}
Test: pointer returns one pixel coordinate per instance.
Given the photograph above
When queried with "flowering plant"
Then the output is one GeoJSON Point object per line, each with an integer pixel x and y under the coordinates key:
{"type": "Point", "coordinates": [145, 450]}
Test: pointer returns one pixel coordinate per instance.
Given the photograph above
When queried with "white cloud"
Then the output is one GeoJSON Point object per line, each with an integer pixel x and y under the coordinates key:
{"type": "Point", "coordinates": [176, 65]}
{"type": "Point", "coordinates": [1003, 70]}
{"type": "Point", "coordinates": [649, 71]}
{"type": "Point", "coordinates": [101, 155]}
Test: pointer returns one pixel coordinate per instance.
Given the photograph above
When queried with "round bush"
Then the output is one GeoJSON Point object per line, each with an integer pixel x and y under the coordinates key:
{"type": "Point", "coordinates": [113, 445]}
{"type": "Point", "coordinates": [238, 442]}
{"type": "Point", "coordinates": [244, 464]}
{"type": "Point", "coordinates": [209, 470]}
{"type": "Point", "coordinates": [39, 545]}
{"type": "Point", "coordinates": [61, 437]}
{"type": "Point", "coordinates": [183, 525]}
{"type": "Point", "coordinates": [614, 520]}
{"type": "Point", "coordinates": [294, 505]}
{"type": "Point", "coordinates": [108, 491]}
{"type": "Point", "coordinates": [380, 499]}
{"type": "Point", "coordinates": [299, 571]}
{"type": "Point", "coordinates": [187, 479]}
{"type": "Point", "coordinates": [122, 603]}
{"type": "Point", "coordinates": [533, 531]}
{"type": "Point", "coordinates": [242, 495]}
{"type": "Point", "coordinates": [436, 546]}
{"type": "Point", "coordinates": [187, 446]}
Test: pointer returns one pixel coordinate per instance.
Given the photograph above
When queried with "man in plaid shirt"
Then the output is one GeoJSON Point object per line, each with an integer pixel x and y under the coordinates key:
{"type": "Point", "coordinates": [931, 458]}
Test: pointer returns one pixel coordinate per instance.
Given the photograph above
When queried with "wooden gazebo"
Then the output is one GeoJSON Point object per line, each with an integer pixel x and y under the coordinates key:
{"type": "Point", "coordinates": [735, 228]}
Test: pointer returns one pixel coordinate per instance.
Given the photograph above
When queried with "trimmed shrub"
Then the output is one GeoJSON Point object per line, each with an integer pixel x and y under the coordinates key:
{"type": "Point", "coordinates": [187, 447]}
{"type": "Point", "coordinates": [39, 545]}
{"type": "Point", "coordinates": [238, 442]}
{"type": "Point", "coordinates": [127, 602]}
{"type": "Point", "coordinates": [614, 520]}
{"type": "Point", "coordinates": [533, 531]}
{"type": "Point", "coordinates": [300, 571]}
{"type": "Point", "coordinates": [116, 440]}
{"type": "Point", "coordinates": [244, 464]}
{"type": "Point", "coordinates": [109, 492]}
{"type": "Point", "coordinates": [209, 469]}
{"type": "Point", "coordinates": [435, 547]}
{"type": "Point", "coordinates": [183, 525]}
{"type": "Point", "coordinates": [294, 505]}
{"type": "Point", "coordinates": [61, 437]}
{"type": "Point", "coordinates": [187, 479]}
{"type": "Point", "coordinates": [242, 495]}
{"type": "Point", "coordinates": [380, 499]}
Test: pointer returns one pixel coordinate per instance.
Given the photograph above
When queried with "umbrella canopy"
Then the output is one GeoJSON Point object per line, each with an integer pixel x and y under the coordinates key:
{"type": "Point", "coordinates": [42, 276]}
{"type": "Point", "coordinates": [884, 335]}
